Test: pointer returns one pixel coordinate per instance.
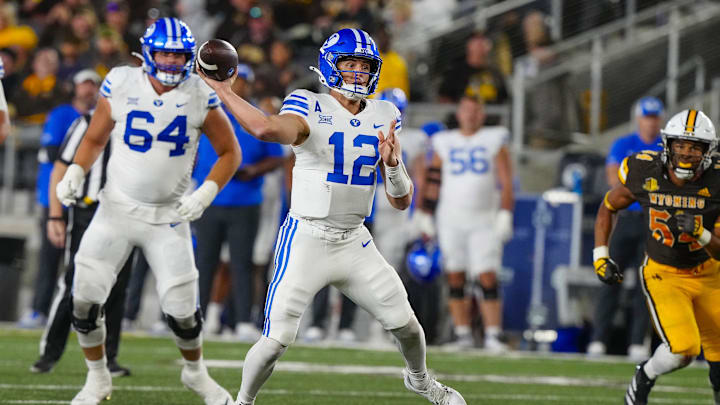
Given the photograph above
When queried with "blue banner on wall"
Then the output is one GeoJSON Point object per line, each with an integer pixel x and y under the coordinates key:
{"type": "Point", "coordinates": [547, 235]}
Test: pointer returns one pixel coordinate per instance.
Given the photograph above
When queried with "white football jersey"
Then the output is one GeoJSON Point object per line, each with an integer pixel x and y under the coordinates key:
{"type": "Point", "coordinates": [335, 171]}
{"type": "Point", "coordinates": [469, 182]}
{"type": "Point", "coordinates": [154, 141]}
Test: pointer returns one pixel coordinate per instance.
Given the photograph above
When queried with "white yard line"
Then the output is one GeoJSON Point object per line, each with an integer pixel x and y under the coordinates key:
{"type": "Point", "coordinates": [303, 367]}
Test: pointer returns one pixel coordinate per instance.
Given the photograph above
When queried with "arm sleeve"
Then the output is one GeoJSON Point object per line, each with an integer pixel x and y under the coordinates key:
{"type": "Point", "coordinates": [398, 118]}
{"type": "Point", "coordinates": [213, 100]}
{"type": "Point", "coordinates": [113, 80]}
{"type": "Point", "coordinates": [297, 103]}
{"type": "Point", "coordinates": [70, 145]}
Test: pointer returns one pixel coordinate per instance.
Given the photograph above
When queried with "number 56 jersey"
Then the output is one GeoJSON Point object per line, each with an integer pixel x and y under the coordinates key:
{"type": "Point", "coordinates": [154, 141]}
{"type": "Point", "coordinates": [468, 188]}
{"type": "Point", "coordinates": [645, 175]}
{"type": "Point", "coordinates": [335, 171]}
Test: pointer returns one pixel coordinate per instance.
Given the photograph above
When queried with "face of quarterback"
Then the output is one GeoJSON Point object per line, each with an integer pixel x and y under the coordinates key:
{"type": "Point", "coordinates": [687, 154]}
{"type": "Point", "coordinates": [359, 70]}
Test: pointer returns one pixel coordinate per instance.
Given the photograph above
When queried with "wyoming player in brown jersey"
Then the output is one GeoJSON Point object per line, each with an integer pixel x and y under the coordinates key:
{"type": "Point", "coordinates": [679, 190]}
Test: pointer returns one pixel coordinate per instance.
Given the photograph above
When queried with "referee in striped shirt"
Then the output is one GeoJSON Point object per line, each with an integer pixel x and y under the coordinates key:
{"type": "Point", "coordinates": [54, 339]}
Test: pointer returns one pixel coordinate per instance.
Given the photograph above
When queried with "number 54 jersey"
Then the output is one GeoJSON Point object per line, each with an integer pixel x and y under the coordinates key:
{"type": "Point", "coordinates": [154, 141]}
{"type": "Point", "coordinates": [645, 175]}
{"type": "Point", "coordinates": [334, 177]}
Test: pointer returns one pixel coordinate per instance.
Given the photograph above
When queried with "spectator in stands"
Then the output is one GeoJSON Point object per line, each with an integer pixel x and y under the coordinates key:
{"type": "Point", "coordinates": [111, 51]}
{"type": "Point", "coordinates": [236, 17]}
{"type": "Point", "coordinates": [57, 125]}
{"type": "Point", "coordinates": [72, 58]}
{"type": "Point", "coordinates": [355, 14]}
{"type": "Point", "coordinates": [276, 76]}
{"type": "Point", "coordinates": [41, 90]}
{"type": "Point", "coordinates": [11, 78]}
{"type": "Point", "coordinates": [394, 68]}
{"type": "Point", "coordinates": [475, 76]}
{"type": "Point", "coordinates": [21, 38]}
{"type": "Point", "coordinates": [548, 103]}
{"type": "Point", "coordinates": [117, 18]}
{"type": "Point", "coordinates": [627, 243]}
{"type": "Point", "coordinates": [233, 216]}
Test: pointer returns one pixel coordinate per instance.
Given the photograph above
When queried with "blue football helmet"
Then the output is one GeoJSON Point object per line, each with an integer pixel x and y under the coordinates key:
{"type": "Point", "coordinates": [424, 261]}
{"type": "Point", "coordinates": [348, 42]}
{"type": "Point", "coordinates": [396, 96]}
{"type": "Point", "coordinates": [168, 35]}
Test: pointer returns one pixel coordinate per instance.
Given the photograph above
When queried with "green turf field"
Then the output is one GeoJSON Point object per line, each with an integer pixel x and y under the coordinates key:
{"type": "Point", "coordinates": [318, 376]}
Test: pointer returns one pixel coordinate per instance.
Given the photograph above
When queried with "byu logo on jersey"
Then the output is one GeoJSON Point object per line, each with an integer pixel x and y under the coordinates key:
{"type": "Point", "coordinates": [158, 103]}
{"type": "Point", "coordinates": [355, 122]}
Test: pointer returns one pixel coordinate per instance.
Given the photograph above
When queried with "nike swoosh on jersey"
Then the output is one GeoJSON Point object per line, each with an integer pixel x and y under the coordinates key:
{"type": "Point", "coordinates": [174, 224]}
{"type": "Point", "coordinates": [376, 126]}
{"type": "Point", "coordinates": [180, 105]}
{"type": "Point", "coordinates": [367, 243]}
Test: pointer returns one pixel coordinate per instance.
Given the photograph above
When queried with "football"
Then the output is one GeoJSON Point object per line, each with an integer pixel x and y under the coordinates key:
{"type": "Point", "coordinates": [217, 59]}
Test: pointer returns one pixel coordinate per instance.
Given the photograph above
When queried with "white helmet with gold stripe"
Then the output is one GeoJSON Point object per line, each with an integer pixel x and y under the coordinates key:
{"type": "Point", "coordinates": [691, 125]}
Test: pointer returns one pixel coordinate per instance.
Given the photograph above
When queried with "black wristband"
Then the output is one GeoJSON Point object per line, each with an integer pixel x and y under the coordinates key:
{"type": "Point", "coordinates": [56, 219]}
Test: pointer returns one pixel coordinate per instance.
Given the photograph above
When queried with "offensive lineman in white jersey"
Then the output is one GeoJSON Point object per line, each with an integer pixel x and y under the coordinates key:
{"type": "Point", "coordinates": [338, 139]}
{"type": "Point", "coordinates": [473, 218]}
{"type": "Point", "coordinates": [153, 116]}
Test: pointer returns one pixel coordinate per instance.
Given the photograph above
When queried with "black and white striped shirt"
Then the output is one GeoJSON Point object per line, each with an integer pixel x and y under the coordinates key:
{"type": "Point", "coordinates": [95, 178]}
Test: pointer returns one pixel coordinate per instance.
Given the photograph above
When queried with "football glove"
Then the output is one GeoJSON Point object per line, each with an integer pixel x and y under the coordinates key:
{"type": "Point", "coordinates": [69, 188]}
{"type": "Point", "coordinates": [191, 206]}
{"type": "Point", "coordinates": [686, 223]}
{"type": "Point", "coordinates": [605, 268]}
{"type": "Point", "coordinates": [424, 223]}
{"type": "Point", "coordinates": [504, 225]}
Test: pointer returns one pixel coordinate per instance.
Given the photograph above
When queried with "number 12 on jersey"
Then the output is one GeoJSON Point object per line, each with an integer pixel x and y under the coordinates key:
{"type": "Point", "coordinates": [337, 140]}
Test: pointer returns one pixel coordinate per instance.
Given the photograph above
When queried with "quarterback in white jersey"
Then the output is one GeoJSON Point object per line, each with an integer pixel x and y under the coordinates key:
{"type": "Point", "coordinates": [153, 115]}
{"type": "Point", "coordinates": [474, 218]}
{"type": "Point", "coordinates": [340, 140]}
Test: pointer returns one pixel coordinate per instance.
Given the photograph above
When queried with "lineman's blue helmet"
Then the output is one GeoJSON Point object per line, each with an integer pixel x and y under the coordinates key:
{"type": "Point", "coordinates": [348, 42]}
{"type": "Point", "coordinates": [424, 261]}
{"type": "Point", "coordinates": [396, 96]}
{"type": "Point", "coordinates": [168, 35]}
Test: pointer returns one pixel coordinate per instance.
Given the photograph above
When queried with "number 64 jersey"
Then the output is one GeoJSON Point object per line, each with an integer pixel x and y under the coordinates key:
{"type": "Point", "coordinates": [645, 175]}
{"type": "Point", "coordinates": [334, 177]}
{"type": "Point", "coordinates": [154, 141]}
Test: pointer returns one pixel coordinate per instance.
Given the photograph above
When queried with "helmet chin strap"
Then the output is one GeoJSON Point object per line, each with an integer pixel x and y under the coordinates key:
{"type": "Point", "coordinates": [347, 90]}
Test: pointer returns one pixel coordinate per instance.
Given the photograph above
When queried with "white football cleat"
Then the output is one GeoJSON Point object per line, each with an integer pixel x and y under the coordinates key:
{"type": "Point", "coordinates": [596, 348]}
{"type": "Point", "coordinates": [494, 345]}
{"type": "Point", "coordinates": [247, 332]}
{"type": "Point", "coordinates": [314, 334]}
{"type": "Point", "coordinates": [200, 382]}
{"type": "Point", "coordinates": [98, 386]}
{"type": "Point", "coordinates": [435, 392]}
